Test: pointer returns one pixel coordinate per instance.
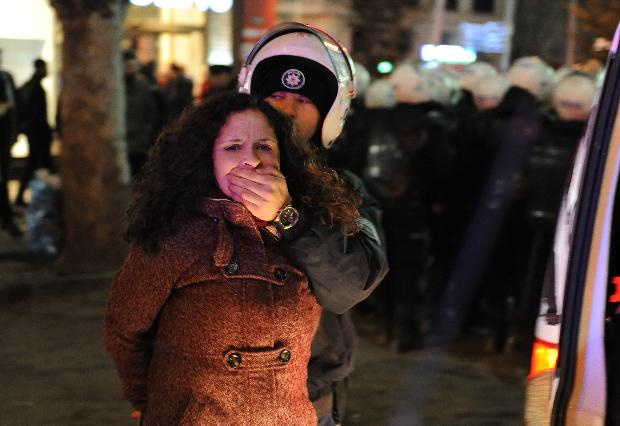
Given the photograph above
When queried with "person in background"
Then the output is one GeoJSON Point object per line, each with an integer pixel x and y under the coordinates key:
{"type": "Point", "coordinates": [490, 267]}
{"type": "Point", "coordinates": [177, 90]}
{"type": "Point", "coordinates": [408, 169]}
{"type": "Point", "coordinates": [140, 113]}
{"type": "Point", "coordinates": [8, 134]}
{"type": "Point", "coordinates": [573, 96]}
{"type": "Point", "coordinates": [148, 71]}
{"type": "Point", "coordinates": [221, 79]}
{"type": "Point", "coordinates": [547, 172]}
{"type": "Point", "coordinates": [469, 80]}
{"type": "Point", "coordinates": [293, 69]}
{"type": "Point", "coordinates": [482, 88]}
{"type": "Point", "coordinates": [33, 119]}
{"type": "Point", "coordinates": [379, 94]}
{"type": "Point", "coordinates": [488, 92]}
{"type": "Point", "coordinates": [208, 321]}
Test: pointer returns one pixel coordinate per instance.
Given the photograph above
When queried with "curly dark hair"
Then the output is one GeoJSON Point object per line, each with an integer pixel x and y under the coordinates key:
{"type": "Point", "coordinates": [179, 173]}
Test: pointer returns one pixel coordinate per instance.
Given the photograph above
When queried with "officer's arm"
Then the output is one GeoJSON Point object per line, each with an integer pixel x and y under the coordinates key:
{"type": "Point", "coordinates": [342, 270]}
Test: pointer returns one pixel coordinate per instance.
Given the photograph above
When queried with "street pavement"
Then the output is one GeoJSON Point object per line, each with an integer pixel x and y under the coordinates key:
{"type": "Point", "coordinates": [464, 385]}
{"type": "Point", "coordinates": [54, 370]}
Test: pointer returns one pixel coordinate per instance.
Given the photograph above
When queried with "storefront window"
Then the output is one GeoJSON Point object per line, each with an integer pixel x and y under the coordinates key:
{"type": "Point", "coordinates": [484, 6]}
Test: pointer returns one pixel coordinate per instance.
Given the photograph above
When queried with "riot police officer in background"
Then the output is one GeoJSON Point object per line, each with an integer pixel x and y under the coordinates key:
{"type": "Point", "coordinates": [409, 165]}
{"type": "Point", "coordinates": [493, 256]}
{"type": "Point", "coordinates": [547, 172]}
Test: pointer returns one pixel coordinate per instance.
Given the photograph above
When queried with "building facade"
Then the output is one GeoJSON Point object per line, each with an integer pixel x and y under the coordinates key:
{"type": "Point", "coordinates": [395, 30]}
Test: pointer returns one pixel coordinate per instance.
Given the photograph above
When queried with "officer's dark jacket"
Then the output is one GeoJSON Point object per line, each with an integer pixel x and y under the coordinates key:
{"type": "Point", "coordinates": [409, 166]}
{"type": "Point", "coordinates": [549, 165]}
{"type": "Point", "coordinates": [342, 271]}
{"type": "Point", "coordinates": [498, 142]}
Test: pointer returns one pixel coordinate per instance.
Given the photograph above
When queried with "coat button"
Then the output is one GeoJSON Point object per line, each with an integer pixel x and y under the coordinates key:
{"type": "Point", "coordinates": [285, 356]}
{"type": "Point", "coordinates": [215, 219]}
{"type": "Point", "coordinates": [234, 360]}
{"type": "Point", "coordinates": [280, 274]}
{"type": "Point", "coordinates": [232, 267]}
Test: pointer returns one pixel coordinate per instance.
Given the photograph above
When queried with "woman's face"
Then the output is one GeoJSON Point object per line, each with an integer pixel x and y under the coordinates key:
{"type": "Point", "coordinates": [247, 141]}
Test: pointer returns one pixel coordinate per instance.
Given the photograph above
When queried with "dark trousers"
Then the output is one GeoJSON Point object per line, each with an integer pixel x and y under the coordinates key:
{"type": "Point", "coordinates": [405, 304]}
{"type": "Point", "coordinates": [505, 275]}
{"type": "Point", "coordinates": [5, 162]}
{"type": "Point", "coordinates": [39, 143]}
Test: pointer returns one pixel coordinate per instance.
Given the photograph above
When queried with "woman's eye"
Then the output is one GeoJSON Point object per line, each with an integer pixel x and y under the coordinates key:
{"type": "Point", "coordinates": [265, 147]}
{"type": "Point", "coordinates": [235, 147]}
{"type": "Point", "coordinates": [304, 100]}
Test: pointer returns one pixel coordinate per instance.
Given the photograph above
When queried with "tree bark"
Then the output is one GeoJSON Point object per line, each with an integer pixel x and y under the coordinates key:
{"type": "Point", "coordinates": [93, 161]}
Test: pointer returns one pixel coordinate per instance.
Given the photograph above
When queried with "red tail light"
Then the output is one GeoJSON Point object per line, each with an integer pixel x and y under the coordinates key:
{"type": "Point", "coordinates": [615, 298]}
{"type": "Point", "coordinates": [544, 357]}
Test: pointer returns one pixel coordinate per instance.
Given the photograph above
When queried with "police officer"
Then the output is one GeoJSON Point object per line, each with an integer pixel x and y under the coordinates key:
{"type": "Point", "coordinates": [306, 74]}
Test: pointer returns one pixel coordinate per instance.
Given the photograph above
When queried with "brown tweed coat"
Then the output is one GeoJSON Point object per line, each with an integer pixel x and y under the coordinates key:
{"type": "Point", "coordinates": [215, 328]}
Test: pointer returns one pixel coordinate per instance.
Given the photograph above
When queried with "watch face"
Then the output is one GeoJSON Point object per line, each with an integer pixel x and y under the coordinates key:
{"type": "Point", "coordinates": [288, 217]}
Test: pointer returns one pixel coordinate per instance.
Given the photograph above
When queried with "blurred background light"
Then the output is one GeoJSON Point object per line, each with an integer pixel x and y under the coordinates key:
{"type": "Point", "coordinates": [385, 67]}
{"type": "Point", "coordinates": [221, 6]}
{"type": "Point", "coordinates": [447, 54]}
{"type": "Point", "coordinates": [141, 2]}
{"type": "Point", "coordinates": [175, 4]}
{"type": "Point", "coordinates": [491, 36]}
{"type": "Point", "coordinates": [217, 6]}
{"type": "Point", "coordinates": [220, 57]}
{"type": "Point", "coordinates": [202, 4]}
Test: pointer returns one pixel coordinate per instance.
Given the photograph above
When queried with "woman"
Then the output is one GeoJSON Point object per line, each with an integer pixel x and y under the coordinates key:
{"type": "Point", "coordinates": [208, 322]}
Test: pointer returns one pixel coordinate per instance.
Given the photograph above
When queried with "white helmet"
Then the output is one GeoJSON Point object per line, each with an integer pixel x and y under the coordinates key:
{"type": "Point", "coordinates": [412, 83]}
{"type": "Point", "coordinates": [290, 46]}
{"type": "Point", "coordinates": [532, 74]}
{"type": "Point", "coordinates": [488, 92]}
{"type": "Point", "coordinates": [474, 72]}
{"type": "Point", "coordinates": [408, 84]}
{"type": "Point", "coordinates": [573, 96]}
{"type": "Point", "coordinates": [379, 94]}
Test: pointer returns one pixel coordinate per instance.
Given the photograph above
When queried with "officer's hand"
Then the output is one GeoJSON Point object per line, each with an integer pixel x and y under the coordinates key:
{"type": "Point", "coordinates": [263, 191]}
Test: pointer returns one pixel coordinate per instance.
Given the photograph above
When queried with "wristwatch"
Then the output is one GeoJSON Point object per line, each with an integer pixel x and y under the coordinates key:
{"type": "Point", "coordinates": [286, 218]}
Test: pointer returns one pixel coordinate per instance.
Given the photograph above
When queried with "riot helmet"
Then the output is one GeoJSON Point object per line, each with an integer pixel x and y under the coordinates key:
{"type": "Point", "coordinates": [301, 59]}
{"type": "Point", "coordinates": [573, 96]}
{"type": "Point", "coordinates": [532, 74]}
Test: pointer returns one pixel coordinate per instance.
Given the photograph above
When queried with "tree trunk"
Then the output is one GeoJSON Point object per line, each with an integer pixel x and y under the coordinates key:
{"type": "Point", "coordinates": [93, 161]}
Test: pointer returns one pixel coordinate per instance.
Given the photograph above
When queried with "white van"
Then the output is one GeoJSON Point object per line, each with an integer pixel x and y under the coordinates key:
{"type": "Point", "coordinates": [575, 371]}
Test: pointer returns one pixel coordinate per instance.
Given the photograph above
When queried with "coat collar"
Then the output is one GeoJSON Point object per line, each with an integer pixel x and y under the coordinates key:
{"type": "Point", "coordinates": [238, 251]}
{"type": "Point", "coordinates": [228, 214]}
